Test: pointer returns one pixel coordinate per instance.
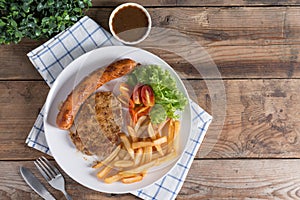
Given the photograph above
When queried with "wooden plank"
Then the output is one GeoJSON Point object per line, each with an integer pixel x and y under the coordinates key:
{"type": "Point", "coordinates": [232, 62]}
{"type": "Point", "coordinates": [237, 3]}
{"type": "Point", "coordinates": [14, 62]}
{"type": "Point", "coordinates": [101, 3]}
{"type": "Point", "coordinates": [232, 26]}
{"type": "Point", "coordinates": [261, 117]}
{"type": "Point", "coordinates": [207, 179]}
{"type": "Point", "coordinates": [243, 42]}
{"type": "Point", "coordinates": [237, 26]}
{"type": "Point", "coordinates": [97, 3]}
{"type": "Point", "coordinates": [242, 179]}
{"type": "Point", "coordinates": [22, 97]}
{"type": "Point", "coordinates": [20, 104]}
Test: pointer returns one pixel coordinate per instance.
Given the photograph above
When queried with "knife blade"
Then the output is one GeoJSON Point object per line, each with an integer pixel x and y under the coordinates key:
{"type": "Point", "coordinates": [35, 184]}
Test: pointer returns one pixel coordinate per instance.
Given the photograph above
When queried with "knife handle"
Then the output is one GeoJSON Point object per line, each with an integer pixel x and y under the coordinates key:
{"type": "Point", "coordinates": [49, 197]}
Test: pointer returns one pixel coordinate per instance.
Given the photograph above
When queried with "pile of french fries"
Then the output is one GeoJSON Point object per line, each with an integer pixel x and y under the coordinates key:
{"type": "Point", "coordinates": [144, 146]}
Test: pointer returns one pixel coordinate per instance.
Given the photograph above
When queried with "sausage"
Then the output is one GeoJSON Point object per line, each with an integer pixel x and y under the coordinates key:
{"type": "Point", "coordinates": [89, 85]}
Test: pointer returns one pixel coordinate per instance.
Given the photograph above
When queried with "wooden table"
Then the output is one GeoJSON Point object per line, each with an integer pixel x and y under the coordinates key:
{"type": "Point", "coordinates": [255, 45]}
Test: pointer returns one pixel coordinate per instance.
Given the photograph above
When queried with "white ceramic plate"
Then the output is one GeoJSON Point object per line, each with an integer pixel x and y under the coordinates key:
{"type": "Point", "coordinates": [73, 162]}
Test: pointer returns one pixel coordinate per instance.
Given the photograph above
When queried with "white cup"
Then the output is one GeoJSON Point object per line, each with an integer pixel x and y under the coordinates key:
{"type": "Point", "coordinates": [112, 15]}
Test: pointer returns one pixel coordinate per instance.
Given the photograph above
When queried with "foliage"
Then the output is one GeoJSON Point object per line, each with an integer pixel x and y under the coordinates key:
{"type": "Point", "coordinates": [37, 19]}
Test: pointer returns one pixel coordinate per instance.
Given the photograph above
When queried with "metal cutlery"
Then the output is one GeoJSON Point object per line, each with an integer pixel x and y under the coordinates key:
{"type": "Point", "coordinates": [35, 184]}
{"type": "Point", "coordinates": [52, 175]}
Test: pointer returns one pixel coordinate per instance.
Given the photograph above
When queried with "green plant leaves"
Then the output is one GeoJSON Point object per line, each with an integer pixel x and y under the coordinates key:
{"type": "Point", "coordinates": [38, 19]}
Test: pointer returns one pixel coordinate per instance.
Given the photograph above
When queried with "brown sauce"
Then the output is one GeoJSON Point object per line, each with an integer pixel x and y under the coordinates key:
{"type": "Point", "coordinates": [130, 23]}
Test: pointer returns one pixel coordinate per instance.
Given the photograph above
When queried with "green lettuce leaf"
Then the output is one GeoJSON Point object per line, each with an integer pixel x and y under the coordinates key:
{"type": "Point", "coordinates": [164, 87]}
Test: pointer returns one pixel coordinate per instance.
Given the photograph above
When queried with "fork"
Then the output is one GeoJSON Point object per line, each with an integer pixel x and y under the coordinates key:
{"type": "Point", "coordinates": [52, 175]}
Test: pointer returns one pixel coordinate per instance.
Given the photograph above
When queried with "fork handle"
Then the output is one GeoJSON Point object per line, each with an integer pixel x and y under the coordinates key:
{"type": "Point", "coordinates": [68, 197]}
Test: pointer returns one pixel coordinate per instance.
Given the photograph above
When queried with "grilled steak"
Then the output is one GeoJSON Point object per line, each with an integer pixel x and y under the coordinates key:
{"type": "Point", "coordinates": [97, 124]}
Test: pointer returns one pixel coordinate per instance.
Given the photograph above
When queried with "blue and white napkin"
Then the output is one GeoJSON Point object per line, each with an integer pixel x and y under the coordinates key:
{"type": "Point", "coordinates": [54, 55]}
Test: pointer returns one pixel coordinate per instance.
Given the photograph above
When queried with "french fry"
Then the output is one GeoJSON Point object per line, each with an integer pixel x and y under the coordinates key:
{"type": "Point", "coordinates": [132, 133]}
{"type": "Point", "coordinates": [104, 172]}
{"type": "Point", "coordinates": [144, 173]}
{"type": "Point", "coordinates": [112, 179]}
{"type": "Point", "coordinates": [153, 137]}
{"type": "Point", "coordinates": [97, 165]}
{"type": "Point", "coordinates": [127, 145]}
{"type": "Point", "coordinates": [176, 132]}
{"type": "Point", "coordinates": [135, 156]}
{"type": "Point", "coordinates": [123, 163]}
{"type": "Point", "coordinates": [130, 120]}
{"type": "Point", "coordinates": [156, 155]}
{"type": "Point", "coordinates": [138, 156]}
{"type": "Point", "coordinates": [170, 130]}
{"type": "Point", "coordinates": [170, 135]}
{"type": "Point", "coordinates": [161, 126]}
{"type": "Point", "coordinates": [124, 89]}
{"type": "Point", "coordinates": [148, 154]}
{"type": "Point", "coordinates": [151, 131]}
{"type": "Point", "coordinates": [141, 131]}
{"type": "Point", "coordinates": [160, 141]}
{"type": "Point", "coordinates": [126, 175]}
{"type": "Point", "coordinates": [176, 125]}
{"type": "Point", "coordinates": [140, 168]}
{"type": "Point", "coordinates": [143, 159]}
{"type": "Point", "coordinates": [159, 149]}
{"type": "Point", "coordinates": [136, 145]}
{"type": "Point", "coordinates": [139, 122]}
{"type": "Point", "coordinates": [109, 158]}
{"type": "Point", "coordinates": [132, 179]}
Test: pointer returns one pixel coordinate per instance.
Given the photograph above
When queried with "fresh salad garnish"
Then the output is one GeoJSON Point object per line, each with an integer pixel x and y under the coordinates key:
{"type": "Point", "coordinates": [155, 93]}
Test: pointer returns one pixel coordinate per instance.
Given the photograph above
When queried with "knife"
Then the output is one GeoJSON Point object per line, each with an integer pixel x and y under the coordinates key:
{"type": "Point", "coordinates": [35, 184]}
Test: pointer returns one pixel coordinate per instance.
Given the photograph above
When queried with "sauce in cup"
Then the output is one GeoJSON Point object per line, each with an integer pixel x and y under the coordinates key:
{"type": "Point", "coordinates": [130, 23]}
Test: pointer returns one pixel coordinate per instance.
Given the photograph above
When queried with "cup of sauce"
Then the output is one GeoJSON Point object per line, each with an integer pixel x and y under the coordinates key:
{"type": "Point", "coordinates": [130, 23]}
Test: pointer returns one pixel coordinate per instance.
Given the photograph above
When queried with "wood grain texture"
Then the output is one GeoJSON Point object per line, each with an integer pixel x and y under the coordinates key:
{"type": "Point", "coordinates": [243, 42]}
{"type": "Point", "coordinates": [237, 26]}
{"type": "Point", "coordinates": [229, 3]}
{"type": "Point", "coordinates": [219, 3]}
{"type": "Point", "coordinates": [207, 179]}
{"type": "Point", "coordinates": [255, 45]}
{"type": "Point", "coordinates": [242, 179]}
{"type": "Point", "coordinates": [14, 62]}
{"type": "Point", "coordinates": [261, 117]}
{"type": "Point", "coordinates": [232, 62]}
{"type": "Point", "coordinates": [20, 104]}
{"type": "Point", "coordinates": [101, 3]}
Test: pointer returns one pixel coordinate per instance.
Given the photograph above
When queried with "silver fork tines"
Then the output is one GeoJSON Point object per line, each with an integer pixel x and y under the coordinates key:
{"type": "Point", "coordinates": [47, 170]}
{"type": "Point", "coordinates": [52, 175]}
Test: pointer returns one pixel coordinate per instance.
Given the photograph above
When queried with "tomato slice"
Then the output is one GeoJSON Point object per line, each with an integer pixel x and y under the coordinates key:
{"type": "Point", "coordinates": [136, 94]}
{"type": "Point", "coordinates": [147, 96]}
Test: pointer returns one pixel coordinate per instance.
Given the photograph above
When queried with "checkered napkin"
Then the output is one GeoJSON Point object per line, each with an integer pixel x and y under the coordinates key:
{"type": "Point", "coordinates": [53, 56]}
